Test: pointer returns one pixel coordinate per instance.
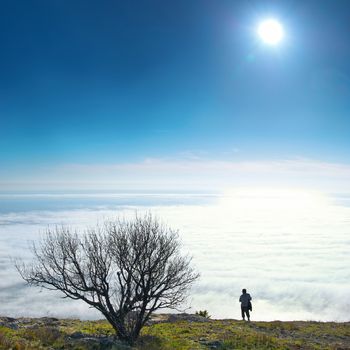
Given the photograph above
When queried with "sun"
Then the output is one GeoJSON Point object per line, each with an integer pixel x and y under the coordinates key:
{"type": "Point", "coordinates": [271, 31]}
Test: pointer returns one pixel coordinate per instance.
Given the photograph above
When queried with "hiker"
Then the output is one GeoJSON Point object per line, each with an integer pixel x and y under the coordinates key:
{"type": "Point", "coordinates": [246, 305]}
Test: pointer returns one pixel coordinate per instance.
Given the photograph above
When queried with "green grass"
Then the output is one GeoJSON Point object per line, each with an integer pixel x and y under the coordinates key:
{"type": "Point", "coordinates": [182, 335]}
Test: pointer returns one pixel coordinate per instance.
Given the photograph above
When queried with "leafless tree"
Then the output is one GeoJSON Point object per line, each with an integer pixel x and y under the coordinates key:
{"type": "Point", "coordinates": [126, 269]}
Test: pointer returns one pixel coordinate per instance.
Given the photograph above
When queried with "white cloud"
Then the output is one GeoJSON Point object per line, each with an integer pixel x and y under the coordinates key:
{"type": "Point", "coordinates": [293, 256]}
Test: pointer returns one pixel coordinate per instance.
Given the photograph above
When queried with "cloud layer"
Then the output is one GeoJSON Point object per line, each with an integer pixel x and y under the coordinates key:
{"type": "Point", "coordinates": [289, 249]}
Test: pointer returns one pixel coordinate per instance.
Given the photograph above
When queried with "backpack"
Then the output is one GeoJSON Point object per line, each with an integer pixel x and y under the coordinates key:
{"type": "Point", "coordinates": [250, 307]}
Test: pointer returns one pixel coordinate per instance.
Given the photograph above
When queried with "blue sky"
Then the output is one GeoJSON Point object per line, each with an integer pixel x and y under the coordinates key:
{"type": "Point", "coordinates": [86, 83]}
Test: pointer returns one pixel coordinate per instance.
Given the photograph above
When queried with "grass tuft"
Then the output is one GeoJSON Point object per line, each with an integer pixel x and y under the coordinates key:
{"type": "Point", "coordinates": [179, 335]}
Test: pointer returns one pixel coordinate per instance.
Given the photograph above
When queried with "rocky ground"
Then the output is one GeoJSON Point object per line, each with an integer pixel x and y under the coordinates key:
{"type": "Point", "coordinates": [174, 331]}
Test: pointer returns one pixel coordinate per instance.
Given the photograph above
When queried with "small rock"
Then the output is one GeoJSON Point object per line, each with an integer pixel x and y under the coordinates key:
{"type": "Point", "coordinates": [77, 335]}
{"type": "Point", "coordinates": [211, 344]}
{"type": "Point", "coordinates": [49, 320]}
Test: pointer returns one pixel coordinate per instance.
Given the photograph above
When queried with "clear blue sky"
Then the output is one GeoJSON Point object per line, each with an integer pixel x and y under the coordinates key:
{"type": "Point", "coordinates": [111, 82]}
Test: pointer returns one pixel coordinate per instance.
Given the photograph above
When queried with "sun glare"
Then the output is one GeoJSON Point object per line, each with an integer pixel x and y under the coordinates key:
{"type": "Point", "coordinates": [270, 31]}
{"type": "Point", "coordinates": [274, 202]}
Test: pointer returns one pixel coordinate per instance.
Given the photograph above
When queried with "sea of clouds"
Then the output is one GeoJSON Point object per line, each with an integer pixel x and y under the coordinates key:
{"type": "Point", "coordinates": [289, 249]}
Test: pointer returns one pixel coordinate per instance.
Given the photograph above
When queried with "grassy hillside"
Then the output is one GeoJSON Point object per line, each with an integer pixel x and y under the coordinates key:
{"type": "Point", "coordinates": [174, 333]}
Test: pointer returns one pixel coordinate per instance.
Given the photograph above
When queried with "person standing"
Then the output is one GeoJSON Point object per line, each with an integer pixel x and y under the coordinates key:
{"type": "Point", "coordinates": [246, 305]}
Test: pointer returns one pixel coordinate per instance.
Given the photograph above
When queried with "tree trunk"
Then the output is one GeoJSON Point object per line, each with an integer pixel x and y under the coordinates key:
{"type": "Point", "coordinates": [119, 328]}
{"type": "Point", "coordinates": [121, 333]}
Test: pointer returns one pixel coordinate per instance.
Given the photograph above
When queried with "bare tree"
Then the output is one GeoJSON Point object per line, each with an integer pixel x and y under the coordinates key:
{"type": "Point", "coordinates": [125, 269]}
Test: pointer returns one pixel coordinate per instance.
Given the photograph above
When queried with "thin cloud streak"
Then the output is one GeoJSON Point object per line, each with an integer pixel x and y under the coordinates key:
{"type": "Point", "coordinates": [194, 174]}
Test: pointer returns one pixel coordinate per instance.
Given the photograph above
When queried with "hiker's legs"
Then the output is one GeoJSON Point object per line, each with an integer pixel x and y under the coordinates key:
{"type": "Point", "coordinates": [245, 311]}
{"type": "Point", "coordinates": [243, 315]}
